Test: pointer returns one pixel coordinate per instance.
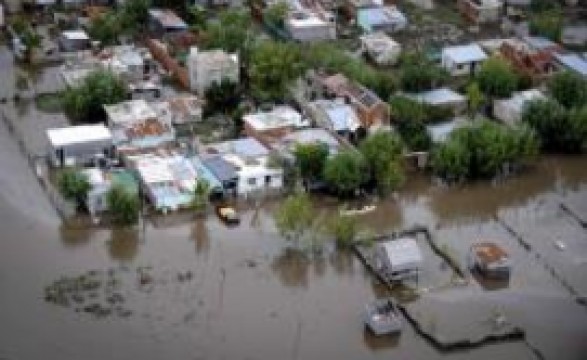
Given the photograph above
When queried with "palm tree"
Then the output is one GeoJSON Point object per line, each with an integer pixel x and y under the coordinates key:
{"type": "Point", "coordinates": [201, 195]}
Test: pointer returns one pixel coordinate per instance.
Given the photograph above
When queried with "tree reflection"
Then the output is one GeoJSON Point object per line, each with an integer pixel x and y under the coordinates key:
{"type": "Point", "coordinates": [200, 235]}
{"type": "Point", "coordinates": [124, 243]}
{"type": "Point", "coordinates": [292, 267]}
{"type": "Point", "coordinates": [74, 232]}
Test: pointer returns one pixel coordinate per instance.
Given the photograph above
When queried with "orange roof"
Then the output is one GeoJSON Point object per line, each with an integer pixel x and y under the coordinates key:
{"type": "Point", "coordinates": [489, 252]}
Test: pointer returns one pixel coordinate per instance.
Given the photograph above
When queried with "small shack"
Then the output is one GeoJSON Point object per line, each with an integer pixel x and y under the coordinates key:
{"type": "Point", "coordinates": [490, 260]}
{"type": "Point", "coordinates": [74, 40]}
{"type": "Point", "coordinates": [73, 145]}
{"type": "Point", "coordinates": [398, 259]}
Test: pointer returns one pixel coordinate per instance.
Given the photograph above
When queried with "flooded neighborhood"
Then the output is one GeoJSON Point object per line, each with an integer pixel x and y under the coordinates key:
{"type": "Point", "coordinates": [175, 192]}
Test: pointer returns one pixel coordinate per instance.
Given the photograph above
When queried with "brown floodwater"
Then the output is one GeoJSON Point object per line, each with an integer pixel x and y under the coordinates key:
{"type": "Point", "coordinates": [252, 295]}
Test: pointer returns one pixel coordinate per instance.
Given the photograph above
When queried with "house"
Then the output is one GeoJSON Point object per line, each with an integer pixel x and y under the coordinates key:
{"type": "Point", "coordinates": [101, 181]}
{"type": "Point", "coordinates": [444, 97]}
{"type": "Point", "coordinates": [480, 11]}
{"type": "Point", "coordinates": [286, 146]}
{"type": "Point", "coordinates": [371, 110]}
{"type": "Point", "coordinates": [381, 18]}
{"type": "Point", "coordinates": [509, 111]}
{"type": "Point", "coordinates": [222, 170]}
{"type": "Point", "coordinates": [266, 126]}
{"type": "Point", "coordinates": [335, 115]}
{"type": "Point", "coordinates": [573, 63]}
{"type": "Point", "coordinates": [490, 260]}
{"type": "Point", "coordinates": [398, 259]}
{"type": "Point", "coordinates": [75, 145]}
{"type": "Point", "coordinates": [215, 185]}
{"type": "Point", "coordinates": [380, 48]}
{"type": "Point", "coordinates": [136, 125]}
{"type": "Point", "coordinates": [182, 111]}
{"type": "Point", "coordinates": [213, 66]}
{"type": "Point", "coordinates": [440, 132]}
{"type": "Point", "coordinates": [462, 59]}
{"type": "Point", "coordinates": [74, 40]}
{"type": "Point", "coordinates": [307, 26]}
{"type": "Point", "coordinates": [165, 22]}
{"type": "Point", "coordinates": [250, 160]}
{"type": "Point", "coordinates": [167, 179]}
{"type": "Point", "coordinates": [531, 56]}
{"type": "Point", "coordinates": [128, 61]}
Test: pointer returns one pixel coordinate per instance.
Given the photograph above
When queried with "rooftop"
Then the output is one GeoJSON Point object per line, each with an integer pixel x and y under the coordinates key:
{"type": "Point", "coordinates": [168, 18]}
{"type": "Point", "coordinates": [78, 134]}
{"type": "Point", "coordinates": [381, 15]}
{"type": "Point", "coordinates": [246, 147]}
{"type": "Point", "coordinates": [573, 62]}
{"type": "Point", "coordinates": [341, 116]}
{"type": "Point", "coordinates": [379, 41]}
{"type": "Point", "coordinates": [465, 53]}
{"type": "Point", "coordinates": [439, 96]}
{"type": "Point", "coordinates": [129, 111]}
{"type": "Point", "coordinates": [278, 117]}
{"type": "Point", "coordinates": [489, 253]}
{"type": "Point", "coordinates": [75, 35]}
{"type": "Point", "coordinates": [403, 252]}
{"type": "Point", "coordinates": [309, 136]}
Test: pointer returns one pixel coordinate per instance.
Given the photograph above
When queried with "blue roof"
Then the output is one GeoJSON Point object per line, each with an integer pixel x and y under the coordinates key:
{"type": "Point", "coordinates": [205, 173]}
{"type": "Point", "coordinates": [573, 62]}
{"type": "Point", "coordinates": [220, 168]}
{"type": "Point", "coordinates": [339, 117]}
{"type": "Point", "coordinates": [247, 147]}
{"type": "Point", "coordinates": [368, 18]}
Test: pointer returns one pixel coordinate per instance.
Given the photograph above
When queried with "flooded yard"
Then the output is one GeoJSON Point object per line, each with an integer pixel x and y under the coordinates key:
{"type": "Point", "coordinates": [181, 287]}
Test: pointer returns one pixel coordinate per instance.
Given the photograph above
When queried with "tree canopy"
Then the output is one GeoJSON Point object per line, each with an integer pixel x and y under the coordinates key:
{"type": "Point", "coordinates": [482, 151]}
{"type": "Point", "coordinates": [73, 185]}
{"type": "Point", "coordinates": [106, 28]}
{"type": "Point", "coordinates": [230, 31]}
{"type": "Point", "coordinates": [124, 206]}
{"type": "Point", "coordinates": [85, 102]}
{"type": "Point", "coordinates": [569, 89]}
{"type": "Point", "coordinates": [419, 74]}
{"type": "Point", "coordinates": [496, 78]}
{"type": "Point", "coordinates": [382, 152]}
{"type": "Point", "coordinates": [345, 172]}
{"type": "Point", "coordinates": [295, 216]}
{"type": "Point", "coordinates": [310, 160]}
{"type": "Point", "coordinates": [548, 23]}
{"type": "Point", "coordinates": [410, 117]}
{"type": "Point", "coordinates": [558, 128]}
{"type": "Point", "coordinates": [222, 97]}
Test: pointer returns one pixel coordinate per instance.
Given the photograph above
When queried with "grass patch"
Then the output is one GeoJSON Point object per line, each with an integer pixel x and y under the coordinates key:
{"type": "Point", "coordinates": [49, 103]}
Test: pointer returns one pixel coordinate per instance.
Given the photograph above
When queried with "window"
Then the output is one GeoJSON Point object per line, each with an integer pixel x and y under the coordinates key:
{"type": "Point", "coordinates": [252, 181]}
{"type": "Point", "coordinates": [268, 180]}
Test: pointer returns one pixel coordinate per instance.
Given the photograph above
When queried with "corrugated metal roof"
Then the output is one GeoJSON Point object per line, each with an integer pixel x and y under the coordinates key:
{"type": "Point", "coordinates": [573, 62]}
{"type": "Point", "coordinates": [439, 97]}
{"type": "Point", "coordinates": [464, 53]}
{"type": "Point", "coordinates": [403, 253]}
{"type": "Point", "coordinates": [222, 169]}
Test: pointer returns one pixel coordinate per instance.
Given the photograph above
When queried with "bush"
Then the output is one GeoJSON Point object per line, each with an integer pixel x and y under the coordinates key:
{"type": "Point", "coordinates": [295, 216]}
{"type": "Point", "coordinates": [382, 152]}
{"type": "Point", "coordinates": [569, 89]}
{"type": "Point", "coordinates": [85, 102]}
{"type": "Point", "coordinates": [343, 229]}
{"type": "Point", "coordinates": [310, 160]}
{"type": "Point", "coordinates": [558, 129]}
{"type": "Point", "coordinates": [482, 151]}
{"type": "Point", "coordinates": [548, 24]}
{"type": "Point", "coordinates": [496, 78]}
{"type": "Point", "coordinates": [124, 205]}
{"type": "Point", "coordinates": [73, 185]}
{"type": "Point", "coordinates": [345, 172]}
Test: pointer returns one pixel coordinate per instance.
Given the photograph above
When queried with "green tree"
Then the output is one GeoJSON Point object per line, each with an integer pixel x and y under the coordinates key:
{"type": "Point", "coordinates": [548, 24]}
{"type": "Point", "coordinates": [406, 109]}
{"type": "Point", "coordinates": [201, 195]}
{"type": "Point", "coordinates": [419, 74]}
{"type": "Point", "coordinates": [483, 150]}
{"type": "Point", "coordinates": [133, 15]}
{"type": "Point", "coordinates": [558, 129]}
{"type": "Point", "coordinates": [410, 116]}
{"type": "Point", "coordinates": [310, 160]}
{"type": "Point", "coordinates": [569, 89]}
{"type": "Point", "coordinates": [345, 172]}
{"type": "Point", "coordinates": [230, 32]}
{"type": "Point", "coordinates": [415, 135]}
{"type": "Point", "coordinates": [343, 229]}
{"type": "Point", "coordinates": [275, 14]}
{"type": "Point", "coordinates": [382, 152]}
{"type": "Point", "coordinates": [475, 99]}
{"type": "Point", "coordinates": [85, 102]}
{"type": "Point", "coordinates": [496, 78]}
{"type": "Point", "coordinates": [543, 5]}
{"type": "Point", "coordinates": [124, 205]}
{"type": "Point", "coordinates": [106, 28]}
{"type": "Point", "coordinates": [74, 186]}
{"type": "Point", "coordinates": [197, 17]}
{"type": "Point", "coordinates": [295, 216]}
{"type": "Point", "coordinates": [272, 68]}
{"type": "Point", "coordinates": [223, 97]}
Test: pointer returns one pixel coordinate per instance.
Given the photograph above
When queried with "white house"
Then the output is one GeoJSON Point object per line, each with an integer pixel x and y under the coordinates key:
{"type": "Point", "coordinates": [73, 145]}
{"type": "Point", "coordinates": [382, 49]}
{"type": "Point", "coordinates": [463, 59]}
{"type": "Point", "coordinates": [444, 97]}
{"type": "Point", "coordinates": [398, 259]}
{"type": "Point", "coordinates": [251, 161]}
{"type": "Point", "coordinates": [74, 40]}
{"type": "Point", "coordinates": [334, 115]}
{"type": "Point", "coordinates": [213, 66]}
{"type": "Point", "coordinates": [509, 111]}
{"type": "Point", "coordinates": [307, 26]}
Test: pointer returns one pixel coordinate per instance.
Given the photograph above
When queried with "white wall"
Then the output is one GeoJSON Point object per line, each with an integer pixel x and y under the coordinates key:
{"type": "Point", "coordinates": [255, 181]}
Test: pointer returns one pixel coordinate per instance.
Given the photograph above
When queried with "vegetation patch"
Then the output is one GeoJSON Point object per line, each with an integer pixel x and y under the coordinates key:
{"type": "Point", "coordinates": [49, 103]}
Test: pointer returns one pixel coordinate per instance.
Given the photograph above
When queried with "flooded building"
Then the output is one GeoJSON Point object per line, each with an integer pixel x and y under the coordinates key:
{"type": "Point", "coordinates": [509, 111]}
{"type": "Point", "coordinates": [490, 260]}
{"type": "Point", "coordinates": [136, 125]}
{"type": "Point", "coordinates": [212, 66]}
{"type": "Point", "coordinates": [380, 48]}
{"type": "Point", "coordinates": [398, 259]}
{"type": "Point", "coordinates": [336, 116]}
{"type": "Point", "coordinates": [245, 161]}
{"type": "Point", "coordinates": [372, 111]}
{"type": "Point", "coordinates": [102, 181]}
{"type": "Point", "coordinates": [266, 126]}
{"type": "Point", "coordinates": [286, 145]}
{"type": "Point", "coordinates": [462, 59]}
{"type": "Point", "coordinates": [76, 145]}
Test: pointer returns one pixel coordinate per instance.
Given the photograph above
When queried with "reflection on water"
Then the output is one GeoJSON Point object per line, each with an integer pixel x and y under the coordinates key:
{"type": "Point", "coordinates": [291, 267]}
{"type": "Point", "coordinates": [124, 243]}
{"type": "Point", "coordinates": [199, 233]}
